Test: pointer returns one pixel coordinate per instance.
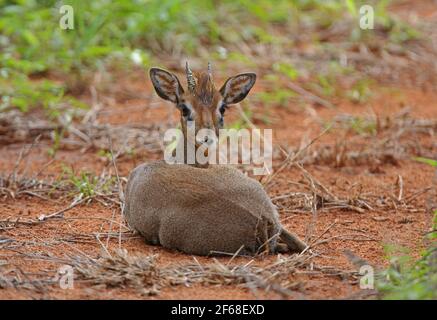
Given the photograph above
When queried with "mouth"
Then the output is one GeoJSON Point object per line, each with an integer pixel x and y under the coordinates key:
{"type": "Point", "coordinates": [207, 141]}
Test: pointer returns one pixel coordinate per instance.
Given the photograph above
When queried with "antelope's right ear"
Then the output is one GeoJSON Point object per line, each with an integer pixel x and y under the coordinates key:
{"type": "Point", "coordinates": [166, 84]}
{"type": "Point", "coordinates": [236, 88]}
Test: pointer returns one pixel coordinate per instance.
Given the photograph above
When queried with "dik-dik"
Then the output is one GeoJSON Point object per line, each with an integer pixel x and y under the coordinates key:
{"type": "Point", "coordinates": [201, 210]}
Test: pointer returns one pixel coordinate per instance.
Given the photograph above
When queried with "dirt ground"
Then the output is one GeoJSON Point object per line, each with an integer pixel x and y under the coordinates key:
{"type": "Point", "coordinates": [364, 232]}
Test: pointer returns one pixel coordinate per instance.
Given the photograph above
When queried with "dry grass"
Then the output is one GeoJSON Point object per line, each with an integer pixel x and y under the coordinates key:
{"type": "Point", "coordinates": [16, 127]}
{"type": "Point", "coordinates": [142, 273]}
{"type": "Point", "coordinates": [375, 141]}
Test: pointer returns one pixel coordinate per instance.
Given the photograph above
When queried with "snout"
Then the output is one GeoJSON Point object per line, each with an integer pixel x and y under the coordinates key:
{"type": "Point", "coordinates": [206, 139]}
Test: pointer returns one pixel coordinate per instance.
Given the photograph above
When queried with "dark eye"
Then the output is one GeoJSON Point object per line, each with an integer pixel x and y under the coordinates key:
{"type": "Point", "coordinates": [184, 109]}
{"type": "Point", "coordinates": [222, 109]}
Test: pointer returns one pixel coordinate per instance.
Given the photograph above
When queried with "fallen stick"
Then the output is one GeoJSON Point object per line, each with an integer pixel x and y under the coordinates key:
{"type": "Point", "coordinates": [60, 212]}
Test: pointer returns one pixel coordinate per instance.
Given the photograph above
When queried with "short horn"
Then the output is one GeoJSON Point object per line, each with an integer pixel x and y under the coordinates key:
{"type": "Point", "coordinates": [209, 70]}
{"type": "Point", "coordinates": [190, 78]}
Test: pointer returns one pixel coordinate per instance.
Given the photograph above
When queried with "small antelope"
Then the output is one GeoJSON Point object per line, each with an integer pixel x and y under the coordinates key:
{"type": "Point", "coordinates": [200, 210]}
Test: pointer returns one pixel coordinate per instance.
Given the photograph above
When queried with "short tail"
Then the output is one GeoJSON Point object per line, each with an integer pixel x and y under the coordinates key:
{"type": "Point", "coordinates": [292, 241]}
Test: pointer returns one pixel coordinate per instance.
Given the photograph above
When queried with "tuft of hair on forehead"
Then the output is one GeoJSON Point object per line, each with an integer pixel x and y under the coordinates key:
{"type": "Point", "coordinates": [205, 89]}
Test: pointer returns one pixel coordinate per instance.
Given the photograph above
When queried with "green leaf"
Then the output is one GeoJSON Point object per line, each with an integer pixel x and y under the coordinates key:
{"type": "Point", "coordinates": [351, 6]}
{"type": "Point", "coordinates": [431, 162]}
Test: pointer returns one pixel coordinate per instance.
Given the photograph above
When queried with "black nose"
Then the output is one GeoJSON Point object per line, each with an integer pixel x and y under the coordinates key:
{"type": "Point", "coordinates": [208, 140]}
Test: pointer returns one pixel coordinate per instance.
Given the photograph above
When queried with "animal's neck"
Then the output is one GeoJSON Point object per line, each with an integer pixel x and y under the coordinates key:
{"type": "Point", "coordinates": [190, 153]}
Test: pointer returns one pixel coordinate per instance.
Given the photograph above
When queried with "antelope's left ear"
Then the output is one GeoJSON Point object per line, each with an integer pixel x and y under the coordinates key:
{"type": "Point", "coordinates": [236, 88]}
{"type": "Point", "coordinates": [166, 84]}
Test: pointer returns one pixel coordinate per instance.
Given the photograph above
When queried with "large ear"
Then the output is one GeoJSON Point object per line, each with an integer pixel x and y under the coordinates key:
{"type": "Point", "coordinates": [166, 84]}
{"type": "Point", "coordinates": [236, 88]}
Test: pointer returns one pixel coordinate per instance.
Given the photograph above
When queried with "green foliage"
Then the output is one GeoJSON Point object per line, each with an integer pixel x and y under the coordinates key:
{"type": "Point", "coordinates": [279, 97]}
{"type": "Point", "coordinates": [362, 126]}
{"type": "Point", "coordinates": [431, 162]}
{"type": "Point", "coordinates": [399, 32]}
{"type": "Point", "coordinates": [409, 279]}
{"type": "Point", "coordinates": [351, 7]}
{"type": "Point", "coordinates": [286, 69]}
{"type": "Point", "coordinates": [360, 91]}
{"type": "Point", "coordinates": [326, 86]}
{"type": "Point", "coordinates": [30, 29]}
{"type": "Point", "coordinates": [56, 142]}
{"type": "Point", "coordinates": [104, 28]}
{"type": "Point", "coordinates": [85, 184]}
{"type": "Point", "coordinates": [241, 122]}
{"type": "Point", "coordinates": [127, 33]}
{"type": "Point", "coordinates": [105, 154]}
{"type": "Point", "coordinates": [18, 91]}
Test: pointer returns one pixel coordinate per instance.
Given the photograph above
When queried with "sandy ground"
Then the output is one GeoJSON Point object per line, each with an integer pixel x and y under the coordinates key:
{"type": "Point", "coordinates": [366, 234]}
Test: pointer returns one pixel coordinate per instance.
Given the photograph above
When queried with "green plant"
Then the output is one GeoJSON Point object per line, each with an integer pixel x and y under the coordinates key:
{"type": "Point", "coordinates": [280, 97]}
{"type": "Point", "coordinates": [19, 91]}
{"type": "Point", "coordinates": [57, 136]}
{"type": "Point", "coordinates": [326, 86]}
{"type": "Point", "coordinates": [362, 126]}
{"type": "Point", "coordinates": [85, 184]}
{"type": "Point", "coordinates": [241, 122]}
{"type": "Point", "coordinates": [286, 69]}
{"type": "Point", "coordinates": [409, 279]}
{"type": "Point", "coordinates": [128, 33]}
{"type": "Point", "coordinates": [431, 162]}
{"type": "Point", "coordinates": [360, 91]}
{"type": "Point", "coordinates": [105, 154]}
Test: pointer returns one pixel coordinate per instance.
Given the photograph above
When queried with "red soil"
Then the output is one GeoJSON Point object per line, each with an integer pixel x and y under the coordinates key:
{"type": "Point", "coordinates": [402, 227]}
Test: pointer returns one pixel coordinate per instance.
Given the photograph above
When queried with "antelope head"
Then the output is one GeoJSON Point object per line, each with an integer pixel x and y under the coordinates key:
{"type": "Point", "coordinates": [201, 105]}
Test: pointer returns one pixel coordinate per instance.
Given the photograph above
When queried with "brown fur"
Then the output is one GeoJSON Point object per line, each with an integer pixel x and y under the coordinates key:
{"type": "Point", "coordinates": [204, 101]}
{"type": "Point", "coordinates": [199, 211]}
{"type": "Point", "coordinates": [206, 94]}
{"type": "Point", "coordinates": [196, 210]}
